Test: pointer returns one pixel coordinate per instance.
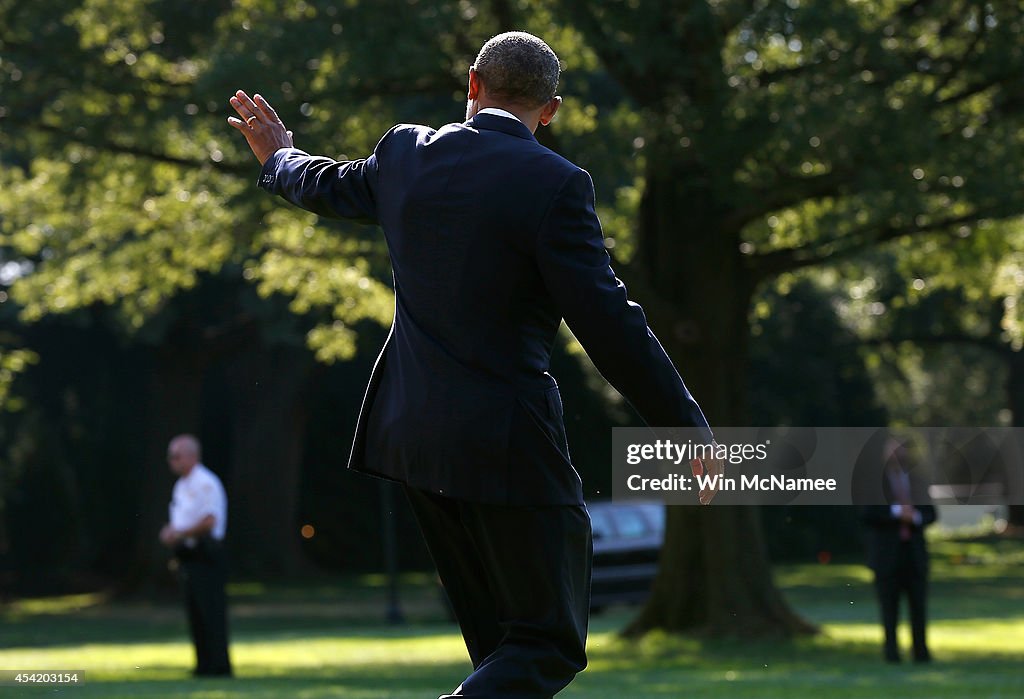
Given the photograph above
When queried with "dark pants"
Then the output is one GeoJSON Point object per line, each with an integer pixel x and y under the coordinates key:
{"type": "Point", "coordinates": [203, 573]}
{"type": "Point", "coordinates": [519, 582]}
{"type": "Point", "coordinates": [890, 586]}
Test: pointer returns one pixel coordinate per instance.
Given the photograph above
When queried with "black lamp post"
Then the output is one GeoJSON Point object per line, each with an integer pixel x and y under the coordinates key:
{"type": "Point", "coordinates": [390, 540]}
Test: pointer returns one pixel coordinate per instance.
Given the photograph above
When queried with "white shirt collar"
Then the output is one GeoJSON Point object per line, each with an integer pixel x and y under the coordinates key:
{"type": "Point", "coordinates": [499, 112]}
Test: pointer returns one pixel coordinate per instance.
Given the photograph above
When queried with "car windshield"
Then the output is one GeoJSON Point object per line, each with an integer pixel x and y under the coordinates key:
{"type": "Point", "coordinates": [656, 516]}
{"type": "Point", "coordinates": [632, 524]}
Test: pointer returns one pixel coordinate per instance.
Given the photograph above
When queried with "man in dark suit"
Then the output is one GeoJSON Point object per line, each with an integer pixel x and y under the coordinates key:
{"type": "Point", "coordinates": [897, 552]}
{"type": "Point", "coordinates": [493, 240]}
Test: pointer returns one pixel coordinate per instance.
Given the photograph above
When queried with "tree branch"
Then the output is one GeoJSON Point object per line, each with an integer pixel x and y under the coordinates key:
{"type": "Point", "coordinates": [961, 338]}
{"type": "Point", "coordinates": [769, 76]}
{"type": "Point", "coordinates": [128, 149]}
{"type": "Point", "coordinates": [786, 191]}
{"type": "Point", "coordinates": [958, 65]}
{"type": "Point", "coordinates": [911, 61]}
{"type": "Point", "coordinates": [815, 252]}
{"type": "Point", "coordinates": [972, 90]}
{"type": "Point", "coordinates": [614, 57]}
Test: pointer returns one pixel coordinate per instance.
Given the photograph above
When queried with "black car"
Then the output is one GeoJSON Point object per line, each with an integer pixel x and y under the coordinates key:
{"type": "Point", "coordinates": [627, 544]}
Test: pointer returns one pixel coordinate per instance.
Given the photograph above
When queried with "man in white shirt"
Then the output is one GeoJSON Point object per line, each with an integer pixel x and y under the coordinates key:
{"type": "Point", "coordinates": [195, 532]}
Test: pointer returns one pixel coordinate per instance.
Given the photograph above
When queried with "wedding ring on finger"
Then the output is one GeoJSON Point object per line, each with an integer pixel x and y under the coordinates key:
{"type": "Point", "coordinates": [250, 121]}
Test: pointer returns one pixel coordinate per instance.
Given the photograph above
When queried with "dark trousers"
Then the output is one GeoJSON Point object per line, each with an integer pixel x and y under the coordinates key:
{"type": "Point", "coordinates": [519, 582]}
{"type": "Point", "coordinates": [890, 586]}
{"type": "Point", "coordinates": [203, 573]}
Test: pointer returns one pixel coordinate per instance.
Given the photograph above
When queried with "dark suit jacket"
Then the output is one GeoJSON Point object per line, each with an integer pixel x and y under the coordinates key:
{"type": "Point", "coordinates": [884, 547]}
{"type": "Point", "coordinates": [493, 239]}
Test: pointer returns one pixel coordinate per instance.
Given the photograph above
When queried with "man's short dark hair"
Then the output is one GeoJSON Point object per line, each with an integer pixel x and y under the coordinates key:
{"type": "Point", "coordinates": [519, 68]}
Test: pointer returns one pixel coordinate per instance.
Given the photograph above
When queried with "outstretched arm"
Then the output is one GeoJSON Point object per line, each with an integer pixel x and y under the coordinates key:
{"type": "Point", "coordinates": [331, 188]}
{"type": "Point", "coordinates": [612, 329]}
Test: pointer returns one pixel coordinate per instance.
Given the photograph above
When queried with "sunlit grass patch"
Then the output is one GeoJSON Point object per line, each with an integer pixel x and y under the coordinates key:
{"type": "Point", "coordinates": [63, 604]}
{"type": "Point", "coordinates": [328, 640]}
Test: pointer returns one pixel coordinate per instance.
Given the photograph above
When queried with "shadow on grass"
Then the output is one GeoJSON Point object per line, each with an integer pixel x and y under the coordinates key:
{"type": "Point", "coordinates": [393, 663]}
{"type": "Point", "coordinates": [655, 667]}
{"type": "Point", "coordinates": [410, 681]}
{"type": "Point", "coordinates": [330, 643]}
{"type": "Point", "coordinates": [262, 611]}
{"type": "Point", "coordinates": [661, 665]}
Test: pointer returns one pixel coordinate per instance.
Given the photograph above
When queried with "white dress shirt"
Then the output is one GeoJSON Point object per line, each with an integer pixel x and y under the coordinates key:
{"type": "Point", "coordinates": [196, 495]}
{"type": "Point", "coordinates": [499, 112]}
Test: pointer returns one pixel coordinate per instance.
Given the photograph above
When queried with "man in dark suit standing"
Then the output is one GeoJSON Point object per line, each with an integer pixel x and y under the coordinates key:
{"type": "Point", "coordinates": [493, 240]}
{"type": "Point", "coordinates": [897, 552]}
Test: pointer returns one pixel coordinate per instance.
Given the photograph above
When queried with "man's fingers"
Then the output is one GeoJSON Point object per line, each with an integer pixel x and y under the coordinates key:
{"type": "Point", "coordinates": [715, 467]}
{"type": "Point", "coordinates": [242, 110]}
{"type": "Point", "coordinates": [705, 496]}
{"type": "Point", "coordinates": [696, 467]}
{"type": "Point", "coordinates": [244, 106]}
{"type": "Point", "coordinates": [242, 127]}
{"type": "Point", "coordinates": [247, 103]}
{"type": "Point", "coordinates": [267, 109]}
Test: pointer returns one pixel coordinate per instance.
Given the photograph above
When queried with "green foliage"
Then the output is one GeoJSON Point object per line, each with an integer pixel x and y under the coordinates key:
{"type": "Point", "coordinates": [124, 186]}
{"type": "Point", "coordinates": [822, 127]}
{"type": "Point", "coordinates": [129, 186]}
{"type": "Point", "coordinates": [125, 232]}
{"type": "Point", "coordinates": [814, 130]}
{"type": "Point", "coordinates": [907, 114]}
{"type": "Point", "coordinates": [12, 363]}
{"type": "Point", "coordinates": [319, 271]}
{"type": "Point", "coordinates": [1008, 284]}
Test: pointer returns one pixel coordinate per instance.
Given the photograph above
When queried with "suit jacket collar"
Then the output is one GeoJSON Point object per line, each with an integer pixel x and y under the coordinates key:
{"type": "Point", "coordinates": [493, 122]}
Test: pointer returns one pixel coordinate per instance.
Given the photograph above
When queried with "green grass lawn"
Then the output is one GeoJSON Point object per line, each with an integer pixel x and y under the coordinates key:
{"type": "Point", "coordinates": [314, 641]}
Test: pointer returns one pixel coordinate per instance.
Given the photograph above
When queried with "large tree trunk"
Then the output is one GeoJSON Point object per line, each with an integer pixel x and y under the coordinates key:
{"type": "Point", "coordinates": [715, 578]}
{"type": "Point", "coordinates": [268, 429]}
{"type": "Point", "coordinates": [714, 575]}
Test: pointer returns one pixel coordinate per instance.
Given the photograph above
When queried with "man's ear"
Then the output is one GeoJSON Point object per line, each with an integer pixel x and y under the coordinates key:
{"type": "Point", "coordinates": [547, 113]}
{"type": "Point", "coordinates": [473, 91]}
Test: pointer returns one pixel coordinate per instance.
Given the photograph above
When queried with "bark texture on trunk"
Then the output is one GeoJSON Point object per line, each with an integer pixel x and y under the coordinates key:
{"type": "Point", "coordinates": [714, 575]}
{"type": "Point", "coordinates": [715, 578]}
